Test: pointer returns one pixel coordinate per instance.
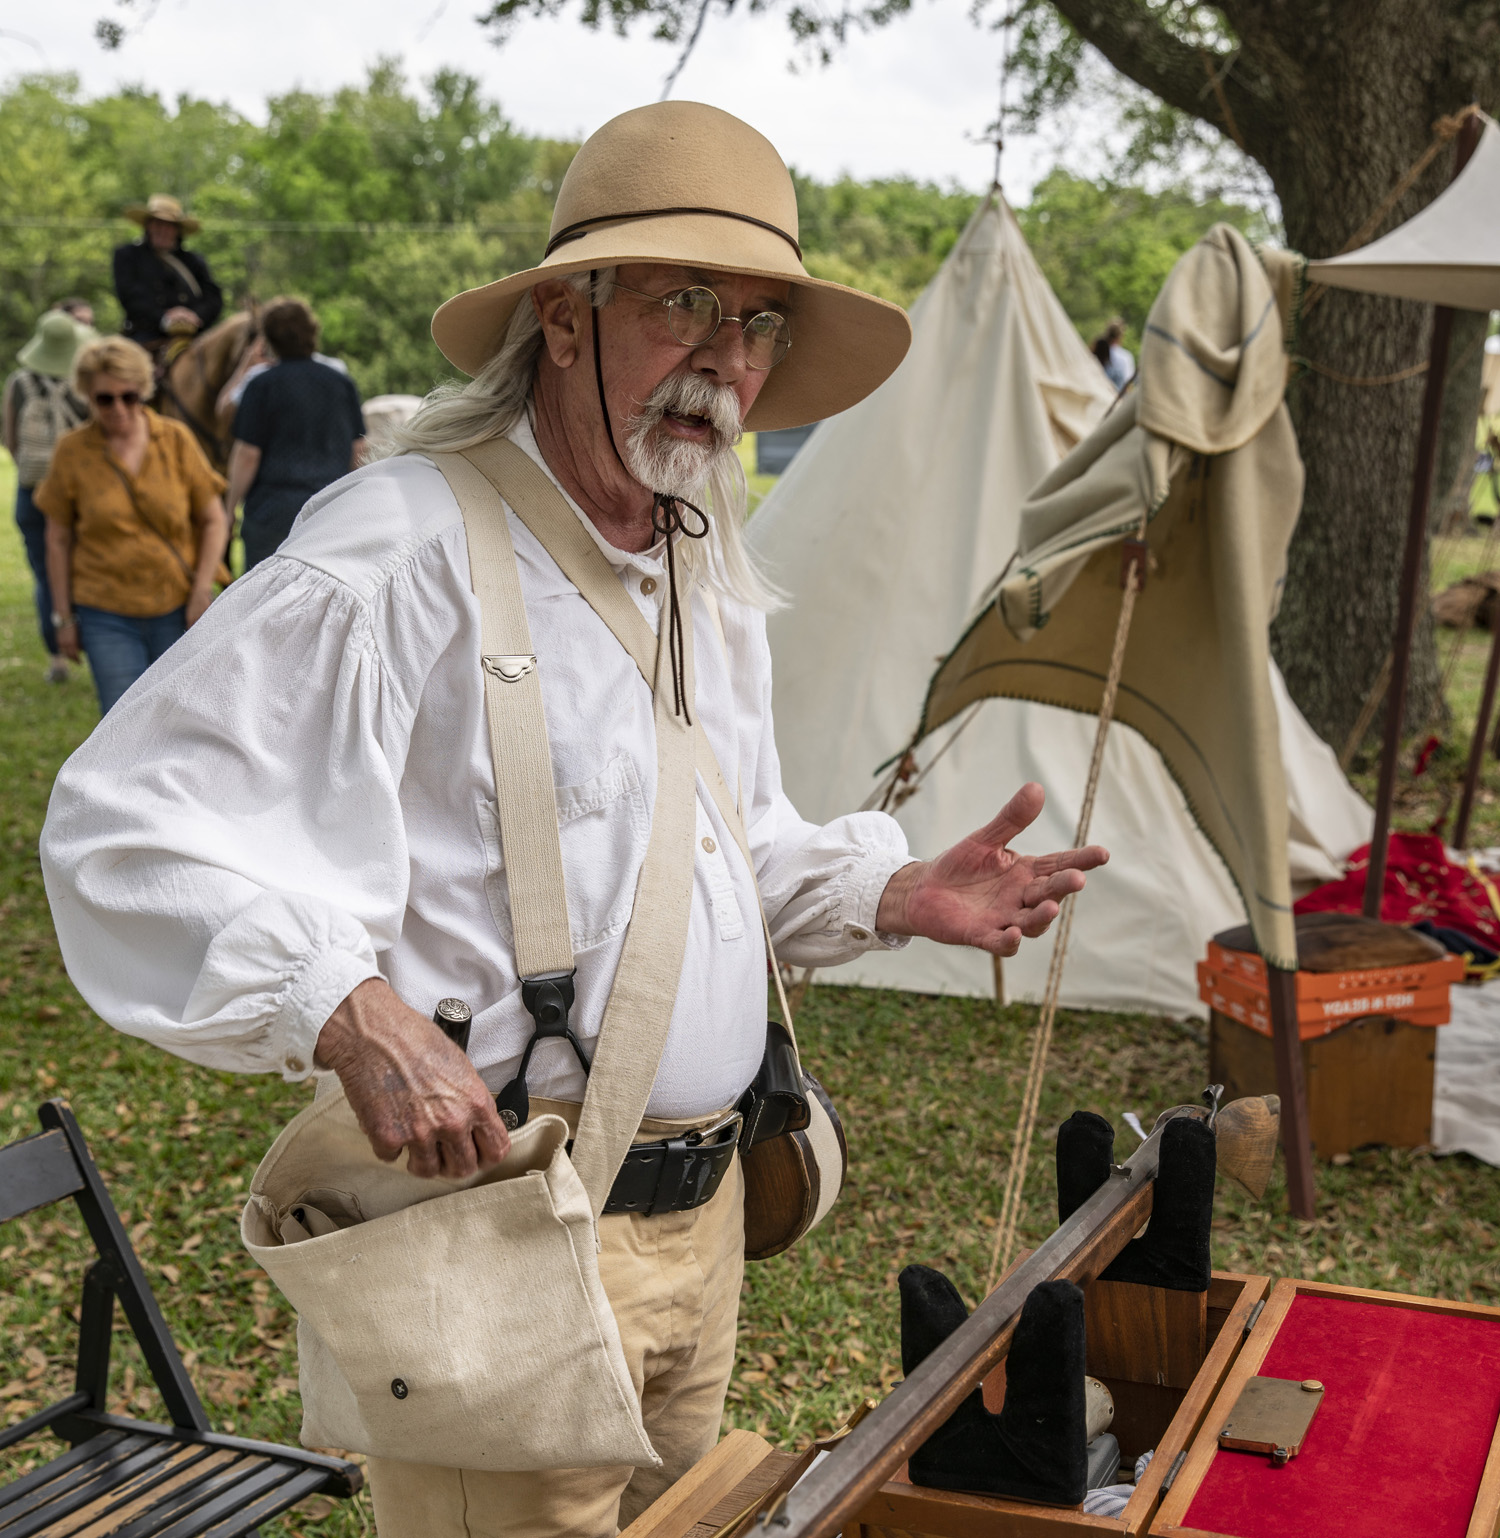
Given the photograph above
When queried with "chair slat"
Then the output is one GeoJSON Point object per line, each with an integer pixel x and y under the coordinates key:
{"type": "Point", "coordinates": [108, 1446]}
{"type": "Point", "coordinates": [35, 1171]}
{"type": "Point", "coordinates": [48, 1507]}
{"type": "Point", "coordinates": [233, 1511]}
{"type": "Point", "coordinates": [166, 1480]}
{"type": "Point", "coordinates": [103, 1505]}
{"type": "Point", "coordinates": [300, 1484]}
{"type": "Point", "coordinates": [189, 1498]}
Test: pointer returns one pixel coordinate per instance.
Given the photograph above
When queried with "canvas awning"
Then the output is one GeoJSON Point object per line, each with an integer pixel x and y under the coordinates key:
{"type": "Point", "coordinates": [884, 534]}
{"type": "Point", "coordinates": [1204, 451]}
{"type": "Point", "coordinates": [1449, 253]}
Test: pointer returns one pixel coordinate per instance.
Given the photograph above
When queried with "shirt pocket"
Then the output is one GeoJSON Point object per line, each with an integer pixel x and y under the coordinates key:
{"type": "Point", "coordinates": [604, 827]}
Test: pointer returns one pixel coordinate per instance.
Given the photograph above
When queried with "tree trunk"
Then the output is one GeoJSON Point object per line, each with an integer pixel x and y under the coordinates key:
{"type": "Point", "coordinates": [1336, 99]}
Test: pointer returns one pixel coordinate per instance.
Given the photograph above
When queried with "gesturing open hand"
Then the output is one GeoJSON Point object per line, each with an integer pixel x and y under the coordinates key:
{"type": "Point", "coordinates": [983, 894]}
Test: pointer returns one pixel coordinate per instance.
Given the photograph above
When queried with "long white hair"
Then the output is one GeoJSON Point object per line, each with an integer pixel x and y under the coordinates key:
{"type": "Point", "coordinates": [456, 417]}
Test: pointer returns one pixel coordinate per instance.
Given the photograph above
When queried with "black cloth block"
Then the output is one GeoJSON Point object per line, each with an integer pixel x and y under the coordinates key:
{"type": "Point", "coordinates": [1035, 1449]}
{"type": "Point", "coordinates": [1085, 1150]}
{"type": "Point", "coordinates": [1175, 1250]}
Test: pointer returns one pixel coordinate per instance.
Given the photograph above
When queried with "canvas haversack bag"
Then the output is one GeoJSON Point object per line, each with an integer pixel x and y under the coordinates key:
{"type": "Point", "coordinates": [464, 1323]}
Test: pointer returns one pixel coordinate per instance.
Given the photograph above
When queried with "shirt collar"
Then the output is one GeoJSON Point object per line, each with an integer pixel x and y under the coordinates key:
{"type": "Point", "coordinates": [524, 437]}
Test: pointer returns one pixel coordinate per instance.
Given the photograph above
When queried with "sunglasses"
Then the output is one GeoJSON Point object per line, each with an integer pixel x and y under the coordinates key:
{"type": "Point", "coordinates": [694, 315]}
{"type": "Point", "coordinates": [104, 399]}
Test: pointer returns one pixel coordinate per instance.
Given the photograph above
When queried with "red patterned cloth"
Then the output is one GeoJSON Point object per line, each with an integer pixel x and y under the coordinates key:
{"type": "Point", "coordinates": [1421, 882]}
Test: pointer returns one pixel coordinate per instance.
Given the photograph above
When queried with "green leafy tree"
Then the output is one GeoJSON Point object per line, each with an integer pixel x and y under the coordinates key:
{"type": "Point", "coordinates": [374, 203]}
{"type": "Point", "coordinates": [1107, 249]}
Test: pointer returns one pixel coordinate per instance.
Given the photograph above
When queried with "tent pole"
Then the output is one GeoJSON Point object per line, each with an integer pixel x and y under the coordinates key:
{"type": "Point", "coordinates": [1481, 731]}
{"type": "Point", "coordinates": [1296, 1132]}
{"type": "Point", "coordinates": [1411, 569]}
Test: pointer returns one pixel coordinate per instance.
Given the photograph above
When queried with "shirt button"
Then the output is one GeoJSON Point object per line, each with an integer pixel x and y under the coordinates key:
{"type": "Point", "coordinates": [295, 1064]}
{"type": "Point", "coordinates": [859, 934]}
{"type": "Point", "coordinates": [709, 846]}
{"type": "Point", "coordinates": [648, 585]}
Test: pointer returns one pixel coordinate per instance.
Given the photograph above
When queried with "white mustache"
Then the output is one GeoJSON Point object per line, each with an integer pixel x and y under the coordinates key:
{"type": "Point", "coordinates": [691, 395]}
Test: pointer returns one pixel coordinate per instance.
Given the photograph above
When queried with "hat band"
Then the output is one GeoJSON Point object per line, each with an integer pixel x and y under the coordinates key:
{"type": "Point", "coordinates": [573, 231]}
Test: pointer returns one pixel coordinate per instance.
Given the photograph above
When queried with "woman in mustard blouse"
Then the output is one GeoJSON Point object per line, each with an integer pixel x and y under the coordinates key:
{"type": "Point", "coordinates": [136, 528]}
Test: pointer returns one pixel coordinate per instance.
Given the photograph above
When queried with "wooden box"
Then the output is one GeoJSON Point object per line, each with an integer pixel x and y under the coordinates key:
{"type": "Point", "coordinates": [1163, 1355]}
{"type": "Point", "coordinates": [1403, 1442]}
{"type": "Point", "coordinates": [1368, 1082]}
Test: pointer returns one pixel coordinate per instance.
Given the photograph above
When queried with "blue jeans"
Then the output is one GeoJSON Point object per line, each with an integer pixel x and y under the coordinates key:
{"type": "Point", "coordinates": [32, 523]}
{"type": "Point", "coordinates": [120, 647]}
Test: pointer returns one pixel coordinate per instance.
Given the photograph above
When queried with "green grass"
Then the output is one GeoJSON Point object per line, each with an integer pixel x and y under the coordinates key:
{"type": "Point", "coordinates": [929, 1090]}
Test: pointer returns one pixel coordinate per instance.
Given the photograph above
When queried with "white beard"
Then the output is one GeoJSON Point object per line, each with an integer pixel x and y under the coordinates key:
{"type": "Point", "coordinates": [673, 465]}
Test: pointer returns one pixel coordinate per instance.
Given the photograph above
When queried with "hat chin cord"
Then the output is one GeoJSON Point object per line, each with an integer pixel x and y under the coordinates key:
{"type": "Point", "coordinates": [666, 523]}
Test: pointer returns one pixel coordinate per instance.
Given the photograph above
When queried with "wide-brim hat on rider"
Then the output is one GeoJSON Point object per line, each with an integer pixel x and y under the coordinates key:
{"type": "Point", "coordinates": [167, 209]}
{"type": "Point", "coordinates": [54, 345]}
{"type": "Point", "coordinates": [688, 185]}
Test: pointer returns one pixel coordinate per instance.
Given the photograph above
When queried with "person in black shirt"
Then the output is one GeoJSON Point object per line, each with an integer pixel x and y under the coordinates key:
{"type": "Point", "coordinates": [299, 428]}
{"type": "Point", "coordinates": [164, 289]}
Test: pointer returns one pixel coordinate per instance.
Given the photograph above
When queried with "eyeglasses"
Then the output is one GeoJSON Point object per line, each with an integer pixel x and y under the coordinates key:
{"type": "Point", "coordinates": [694, 315]}
{"type": "Point", "coordinates": [104, 399]}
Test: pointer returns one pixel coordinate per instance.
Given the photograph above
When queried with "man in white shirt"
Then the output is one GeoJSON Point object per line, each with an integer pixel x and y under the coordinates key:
{"type": "Point", "coordinates": [281, 849]}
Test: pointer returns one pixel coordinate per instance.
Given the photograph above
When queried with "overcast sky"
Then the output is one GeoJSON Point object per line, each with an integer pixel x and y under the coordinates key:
{"type": "Point", "coordinates": [907, 100]}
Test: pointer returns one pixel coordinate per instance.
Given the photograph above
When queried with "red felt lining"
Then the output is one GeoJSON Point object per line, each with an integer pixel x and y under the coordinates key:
{"type": "Point", "coordinates": [1398, 1445]}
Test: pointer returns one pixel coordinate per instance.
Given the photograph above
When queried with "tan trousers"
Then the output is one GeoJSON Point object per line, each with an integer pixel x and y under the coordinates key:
{"type": "Point", "coordinates": [674, 1283]}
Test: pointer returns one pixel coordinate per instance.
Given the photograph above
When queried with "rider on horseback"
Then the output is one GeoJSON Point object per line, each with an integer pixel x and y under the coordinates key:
{"type": "Point", "coordinates": [167, 293]}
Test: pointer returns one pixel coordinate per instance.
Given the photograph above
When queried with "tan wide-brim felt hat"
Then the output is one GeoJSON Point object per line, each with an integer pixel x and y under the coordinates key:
{"type": "Point", "coordinates": [688, 185]}
{"type": "Point", "coordinates": [167, 209]}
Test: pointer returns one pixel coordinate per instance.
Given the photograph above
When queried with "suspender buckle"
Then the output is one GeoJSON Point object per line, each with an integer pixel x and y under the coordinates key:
{"type": "Point", "coordinates": [508, 669]}
{"type": "Point", "coordinates": [548, 997]}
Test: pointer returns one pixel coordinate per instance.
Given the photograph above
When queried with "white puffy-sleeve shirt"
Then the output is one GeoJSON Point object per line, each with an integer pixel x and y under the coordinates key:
{"type": "Point", "coordinates": [299, 796]}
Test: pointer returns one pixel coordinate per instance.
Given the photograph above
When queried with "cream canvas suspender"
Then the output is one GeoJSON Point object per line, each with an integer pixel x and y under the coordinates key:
{"type": "Point", "coordinates": [638, 1013]}
{"type": "Point", "coordinates": [540, 506]}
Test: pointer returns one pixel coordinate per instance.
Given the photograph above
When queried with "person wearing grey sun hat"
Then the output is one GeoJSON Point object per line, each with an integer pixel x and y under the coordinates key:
{"type": "Point", "coordinates": [38, 407]}
{"type": "Point", "coordinates": [497, 719]}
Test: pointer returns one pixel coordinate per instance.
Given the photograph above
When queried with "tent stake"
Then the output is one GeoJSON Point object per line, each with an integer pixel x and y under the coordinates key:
{"type": "Point", "coordinates": [1296, 1132]}
{"type": "Point", "coordinates": [1411, 570]}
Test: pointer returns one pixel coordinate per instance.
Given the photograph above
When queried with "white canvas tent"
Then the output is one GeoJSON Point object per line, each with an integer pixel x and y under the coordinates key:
{"type": "Point", "coordinates": [883, 533]}
{"type": "Point", "coordinates": [1447, 253]}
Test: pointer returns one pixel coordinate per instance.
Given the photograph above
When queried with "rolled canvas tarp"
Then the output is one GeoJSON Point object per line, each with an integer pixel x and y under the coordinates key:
{"type": "Point", "coordinates": [1449, 253]}
{"type": "Point", "coordinates": [885, 533]}
{"type": "Point", "coordinates": [1200, 461]}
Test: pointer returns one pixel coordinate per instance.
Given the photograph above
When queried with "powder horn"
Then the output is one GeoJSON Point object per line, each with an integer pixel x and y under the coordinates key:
{"type": "Point", "coordinates": [1246, 1132]}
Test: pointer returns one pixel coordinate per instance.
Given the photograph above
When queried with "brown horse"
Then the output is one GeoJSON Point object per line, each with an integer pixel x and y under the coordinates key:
{"type": "Point", "coordinates": [192, 390]}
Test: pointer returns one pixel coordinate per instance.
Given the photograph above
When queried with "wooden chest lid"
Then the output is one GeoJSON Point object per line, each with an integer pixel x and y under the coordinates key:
{"type": "Point", "coordinates": [1345, 942]}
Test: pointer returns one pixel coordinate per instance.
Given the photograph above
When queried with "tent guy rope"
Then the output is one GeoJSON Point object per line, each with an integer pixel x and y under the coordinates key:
{"type": "Point", "coordinates": [1015, 1180]}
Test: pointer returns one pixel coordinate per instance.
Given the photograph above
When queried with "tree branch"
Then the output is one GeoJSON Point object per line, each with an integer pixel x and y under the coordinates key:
{"type": "Point", "coordinates": [687, 50]}
{"type": "Point", "coordinates": [1195, 80]}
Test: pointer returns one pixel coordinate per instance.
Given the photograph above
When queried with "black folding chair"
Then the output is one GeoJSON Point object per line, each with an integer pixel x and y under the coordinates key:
{"type": "Point", "coordinates": [126, 1478]}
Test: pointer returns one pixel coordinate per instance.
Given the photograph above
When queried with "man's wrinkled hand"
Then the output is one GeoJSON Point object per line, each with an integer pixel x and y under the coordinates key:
{"type": "Point", "coordinates": [982, 893]}
{"type": "Point", "coordinates": [410, 1086]}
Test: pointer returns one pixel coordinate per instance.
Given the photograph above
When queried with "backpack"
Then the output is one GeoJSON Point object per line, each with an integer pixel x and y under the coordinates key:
{"type": "Point", "coordinates": [45, 410]}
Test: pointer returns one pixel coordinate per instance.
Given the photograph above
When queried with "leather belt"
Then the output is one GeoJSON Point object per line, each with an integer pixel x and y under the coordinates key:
{"type": "Point", "coordinates": [676, 1174]}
